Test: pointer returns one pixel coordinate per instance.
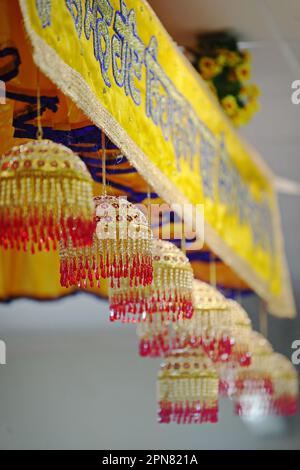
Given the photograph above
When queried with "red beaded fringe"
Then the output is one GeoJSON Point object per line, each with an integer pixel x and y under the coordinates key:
{"type": "Point", "coordinates": [244, 409]}
{"type": "Point", "coordinates": [281, 406]}
{"type": "Point", "coordinates": [224, 350]}
{"type": "Point", "coordinates": [219, 351]}
{"type": "Point", "coordinates": [187, 413]}
{"type": "Point", "coordinates": [136, 307]}
{"type": "Point", "coordinates": [25, 229]}
{"type": "Point", "coordinates": [156, 347]}
{"type": "Point", "coordinates": [87, 270]}
{"type": "Point", "coordinates": [286, 405]}
{"type": "Point", "coordinates": [253, 385]}
{"type": "Point", "coordinates": [223, 387]}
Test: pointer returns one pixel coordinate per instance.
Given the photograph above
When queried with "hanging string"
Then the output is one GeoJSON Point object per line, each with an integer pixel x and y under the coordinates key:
{"type": "Point", "coordinates": [39, 134]}
{"type": "Point", "coordinates": [149, 204]}
{"type": "Point", "coordinates": [103, 146]}
{"type": "Point", "coordinates": [183, 243]}
{"type": "Point", "coordinates": [263, 319]}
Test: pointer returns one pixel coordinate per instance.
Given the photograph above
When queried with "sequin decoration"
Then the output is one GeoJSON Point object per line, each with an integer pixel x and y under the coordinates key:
{"type": "Point", "coordinates": [121, 248]}
{"type": "Point", "coordinates": [167, 299]}
{"type": "Point", "coordinates": [45, 197]}
{"type": "Point", "coordinates": [187, 388]}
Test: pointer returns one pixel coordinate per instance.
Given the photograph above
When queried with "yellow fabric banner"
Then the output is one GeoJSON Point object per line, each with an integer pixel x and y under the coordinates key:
{"type": "Point", "coordinates": [118, 64]}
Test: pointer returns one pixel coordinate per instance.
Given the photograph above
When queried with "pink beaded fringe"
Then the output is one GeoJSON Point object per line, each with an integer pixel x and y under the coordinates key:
{"type": "Point", "coordinates": [186, 413]}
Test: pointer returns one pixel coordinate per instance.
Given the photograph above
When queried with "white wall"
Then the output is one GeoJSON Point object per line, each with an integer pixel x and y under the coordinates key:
{"type": "Point", "coordinates": [75, 381]}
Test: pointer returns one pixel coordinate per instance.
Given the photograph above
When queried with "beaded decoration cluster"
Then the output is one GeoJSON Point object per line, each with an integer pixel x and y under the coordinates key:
{"type": "Point", "coordinates": [187, 389]}
{"type": "Point", "coordinates": [45, 197]}
{"type": "Point", "coordinates": [219, 326]}
{"type": "Point", "coordinates": [169, 295]}
{"type": "Point", "coordinates": [121, 248]}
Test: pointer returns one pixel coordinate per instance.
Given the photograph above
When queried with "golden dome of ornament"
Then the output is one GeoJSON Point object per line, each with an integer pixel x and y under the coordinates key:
{"type": "Point", "coordinates": [39, 157]}
{"type": "Point", "coordinates": [259, 345]}
{"type": "Point", "coordinates": [187, 388]}
{"type": "Point", "coordinates": [282, 366]}
{"type": "Point", "coordinates": [207, 297]}
{"type": "Point", "coordinates": [121, 248]}
{"type": "Point", "coordinates": [120, 218]}
{"type": "Point", "coordinates": [239, 316]}
{"type": "Point", "coordinates": [168, 256]}
{"type": "Point", "coordinates": [45, 197]}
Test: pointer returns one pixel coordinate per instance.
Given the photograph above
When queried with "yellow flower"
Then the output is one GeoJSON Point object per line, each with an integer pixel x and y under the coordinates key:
{"type": "Point", "coordinates": [250, 91]}
{"type": "Point", "coordinates": [227, 57]}
{"type": "Point", "coordinates": [241, 117]}
{"type": "Point", "coordinates": [243, 72]}
{"type": "Point", "coordinates": [221, 59]}
{"type": "Point", "coordinates": [230, 105]}
{"type": "Point", "coordinates": [246, 56]}
{"type": "Point", "coordinates": [209, 68]}
{"type": "Point", "coordinates": [244, 115]}
{"type": "Point", "coordinates": [233, 58]}
{"type": "Point", "coordinates": [252, 106]}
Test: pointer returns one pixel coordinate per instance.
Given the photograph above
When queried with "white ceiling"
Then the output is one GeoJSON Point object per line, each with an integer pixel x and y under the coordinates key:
{"type": "Point", "coordinates": [185, 18]}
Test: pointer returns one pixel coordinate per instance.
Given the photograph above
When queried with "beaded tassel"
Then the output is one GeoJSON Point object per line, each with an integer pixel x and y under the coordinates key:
{"type": "Point", "coordinates": [45, 198]}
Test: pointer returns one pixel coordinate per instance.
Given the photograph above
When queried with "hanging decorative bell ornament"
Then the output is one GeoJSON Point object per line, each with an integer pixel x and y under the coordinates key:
{"type": "Point", "coordinates": [187, 388]}
{"type": "Point", "coordinates": [284, 401]}
{"type": "Point", "coordinates": [121, 248]}
{"type": "Point", "coordinates": [45, 197]}
{"type": "Point", "coordinates": [218, 325]}
{"type": "Point", "coordinates": [272, 390]}
{"type": "Point", "coordinates": [168, 299]}
{"type": "Point", "coordinates": [253, 385]}
{"type": "Point", "coordinates": [241, 333]}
